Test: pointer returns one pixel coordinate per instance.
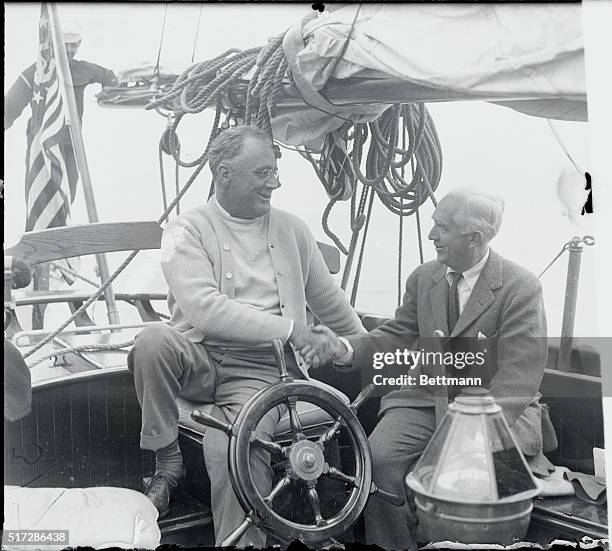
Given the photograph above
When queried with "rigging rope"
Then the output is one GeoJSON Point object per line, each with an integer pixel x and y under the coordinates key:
{"type": "Point", "coordinates": [163, 147]}
{"type": "Point", "coordinates": [195, 42]}
{"type": "Point", "coordinates": [161, 42]}
{"type": "Point", "coordinates": [572, 243]}
{"type": "Point", "coordinates": [74, 274]}
{"type": "Point", "coordinates": [560, 141]}
{"type": "Point", "coordinates": [339, 164]}
{"type": "Point", "coordinates": [400, 241]}
{"type": "Point", "coordinates": [361, 252]}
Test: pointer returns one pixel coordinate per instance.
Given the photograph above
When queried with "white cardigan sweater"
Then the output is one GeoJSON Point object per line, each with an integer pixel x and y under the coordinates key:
{"type": "Point", "coordinates": [197, 261]}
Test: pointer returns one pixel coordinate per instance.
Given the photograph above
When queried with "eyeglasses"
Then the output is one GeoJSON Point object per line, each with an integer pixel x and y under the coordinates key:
{"type": "Point", "coordinates": [266, 174]}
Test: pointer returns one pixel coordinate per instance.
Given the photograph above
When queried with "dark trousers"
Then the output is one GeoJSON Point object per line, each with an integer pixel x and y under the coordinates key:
{"type": "Point", "coordinates": [17, 384]}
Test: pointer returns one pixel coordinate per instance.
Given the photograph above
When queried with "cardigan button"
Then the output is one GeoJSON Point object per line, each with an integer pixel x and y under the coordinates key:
{"type": "Point", "coordinates": [226, 247]}
{"type": "Point", "coordinates": [228, 275]}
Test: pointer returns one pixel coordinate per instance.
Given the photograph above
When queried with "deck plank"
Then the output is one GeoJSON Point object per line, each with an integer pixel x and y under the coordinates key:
{"type": "Point", "coordinates": [45, 437]}
{"type": "Point", "coordinates": [62, 406]}
{"type": "Point", "coordinates": [81, 436]}
{"type": "Point", "coordinates": [99, 427]}
{"type": "Point", "coordinates": [116, 426]}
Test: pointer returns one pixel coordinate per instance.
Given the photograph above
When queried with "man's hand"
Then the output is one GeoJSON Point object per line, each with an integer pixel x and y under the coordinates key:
{"type": "Point", "coordinates": [325, 347]}
{"type": "Point", "coordinates": [301, 336]}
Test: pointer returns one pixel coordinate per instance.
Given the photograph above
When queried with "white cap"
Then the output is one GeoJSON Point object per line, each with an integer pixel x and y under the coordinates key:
{"type": "Point", "coordinates": [71, 31]}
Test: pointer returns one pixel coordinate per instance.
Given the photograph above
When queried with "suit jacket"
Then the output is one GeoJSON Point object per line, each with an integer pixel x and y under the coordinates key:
{"type": "Point", "coordinates": [506, 306]}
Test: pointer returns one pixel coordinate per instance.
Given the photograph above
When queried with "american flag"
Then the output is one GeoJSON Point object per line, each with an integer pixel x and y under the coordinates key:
{"type": "Point", "coordinates": [51, 172]}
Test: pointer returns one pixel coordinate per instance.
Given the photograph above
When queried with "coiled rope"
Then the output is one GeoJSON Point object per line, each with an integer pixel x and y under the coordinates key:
{"type": "Point", "coordinates": [339, 169]}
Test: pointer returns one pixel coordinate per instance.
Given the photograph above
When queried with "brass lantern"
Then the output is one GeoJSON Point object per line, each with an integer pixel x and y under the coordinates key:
{"type": "Point", "coordinates": [472, 483]}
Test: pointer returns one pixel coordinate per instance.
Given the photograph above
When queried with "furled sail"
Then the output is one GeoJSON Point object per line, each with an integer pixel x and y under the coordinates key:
{"type": "Point", "coordinates": [526, 57]}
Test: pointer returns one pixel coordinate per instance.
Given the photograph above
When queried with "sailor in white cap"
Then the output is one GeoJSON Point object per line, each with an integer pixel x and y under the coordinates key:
{"type": "Point", "coordinates": [71, 31]}
{"type": "Point", "coordinates": [83, 73]}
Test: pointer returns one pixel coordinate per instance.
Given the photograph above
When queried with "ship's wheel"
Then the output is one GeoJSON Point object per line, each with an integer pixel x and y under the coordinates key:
{"type": "Point", "coordinates": [304, 464]}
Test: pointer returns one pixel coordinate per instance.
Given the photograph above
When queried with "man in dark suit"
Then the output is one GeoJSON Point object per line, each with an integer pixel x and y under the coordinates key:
{"type": "Point", "coordinates": [479, 301]}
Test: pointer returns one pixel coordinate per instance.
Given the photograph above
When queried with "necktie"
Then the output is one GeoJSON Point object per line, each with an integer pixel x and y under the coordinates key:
{"type": "Point", "coordinates": [453, 301]}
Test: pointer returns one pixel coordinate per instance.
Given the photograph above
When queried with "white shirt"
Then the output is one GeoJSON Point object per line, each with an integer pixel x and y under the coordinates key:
{"type": "Point", "coordinates": [465, 286]}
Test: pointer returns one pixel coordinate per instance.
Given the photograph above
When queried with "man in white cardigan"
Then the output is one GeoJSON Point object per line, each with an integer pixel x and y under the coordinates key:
{"type": "Point", "coordinates": [240, 274]}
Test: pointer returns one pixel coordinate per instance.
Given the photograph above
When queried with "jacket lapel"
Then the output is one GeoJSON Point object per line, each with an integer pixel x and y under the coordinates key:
{"type": "Point", "coordinates": [482, 295]}
{"type": "Point", "coordinates": [438, 296]}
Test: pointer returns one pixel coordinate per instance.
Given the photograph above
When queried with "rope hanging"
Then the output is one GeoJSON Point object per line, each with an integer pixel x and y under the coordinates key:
{"type": "Point", "coordinates": [574, 242]}
{"type": "Point", "coordinates": [339, 166]}
{"type": "Point", "coordinates": [161, 42]}
{"type": "Point", "coordinates": [195, 42]}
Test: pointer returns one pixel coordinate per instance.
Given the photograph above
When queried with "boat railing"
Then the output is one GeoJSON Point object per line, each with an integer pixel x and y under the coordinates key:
{"type": "Point", "coordinates": [18, 337]}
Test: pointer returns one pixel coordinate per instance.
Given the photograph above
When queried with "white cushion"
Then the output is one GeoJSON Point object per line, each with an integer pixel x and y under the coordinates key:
{"type": "Point", "coordinates": [95, 517]}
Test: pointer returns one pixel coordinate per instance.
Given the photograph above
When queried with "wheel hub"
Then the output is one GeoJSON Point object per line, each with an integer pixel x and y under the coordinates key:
{"type": "Point", "coordinates": [306, 459]}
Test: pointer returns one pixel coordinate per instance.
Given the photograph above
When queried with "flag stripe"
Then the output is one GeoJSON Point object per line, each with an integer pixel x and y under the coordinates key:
{"type": "Point", "coordinates": [48, 187]}
{"type": "Point", "coordinates": [52, 173]}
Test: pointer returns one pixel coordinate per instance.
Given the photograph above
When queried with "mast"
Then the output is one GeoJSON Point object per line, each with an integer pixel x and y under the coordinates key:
{"type": "Point", "coordinates": [65, 78]}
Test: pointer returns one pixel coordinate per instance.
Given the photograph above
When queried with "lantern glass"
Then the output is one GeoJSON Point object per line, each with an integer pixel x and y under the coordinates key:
{"type": "Point", "coordinates": [510, 472]}
{"type": "Point", "coordinates": [429, 459]}
{"type": "Point", "coordinates": [473, 456]}
{"type": "Point", "coordinates": [464, 470]}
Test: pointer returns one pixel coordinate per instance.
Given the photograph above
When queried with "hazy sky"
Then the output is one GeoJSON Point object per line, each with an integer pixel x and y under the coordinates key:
{"type": "Point", "coordinates": [483, 145]}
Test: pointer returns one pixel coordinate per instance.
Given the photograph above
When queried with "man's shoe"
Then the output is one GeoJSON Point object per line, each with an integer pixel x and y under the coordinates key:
{"type": "Point", "coordinates": [159, 489]}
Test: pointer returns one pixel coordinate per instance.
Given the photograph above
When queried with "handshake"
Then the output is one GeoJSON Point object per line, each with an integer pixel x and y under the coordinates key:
{"type": "Point", "coordinates": [317, 345]}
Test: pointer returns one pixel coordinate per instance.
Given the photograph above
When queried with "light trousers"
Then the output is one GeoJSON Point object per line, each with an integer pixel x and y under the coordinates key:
{"type": "Point", "coordinates": [166, 364]}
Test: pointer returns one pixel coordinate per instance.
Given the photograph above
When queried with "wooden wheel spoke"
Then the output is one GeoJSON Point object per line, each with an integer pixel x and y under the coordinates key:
{"type": "Point", "coordinates": [294, 418]}
{"type": "Point", "coordinates": [337, 474]}
{"type": "Point", "coordinates": [272, 447]}
{"type": "Point", "coordinates": [313, 497]}
{"type": "Point", "coordinates": [331, 433]}
{"type": "Point", "coordinates": [233, 538]}
{"type": "Point", "coordinates": [280, 486]}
